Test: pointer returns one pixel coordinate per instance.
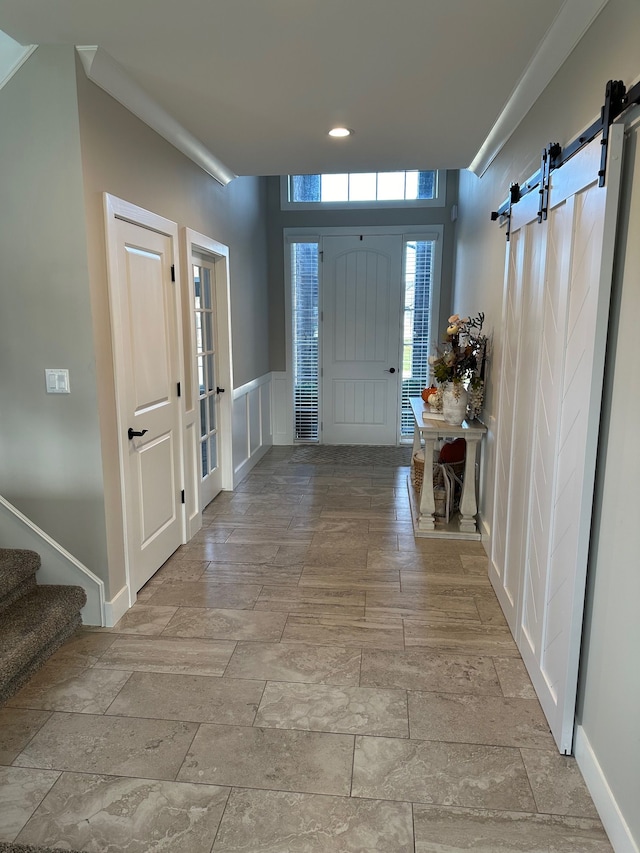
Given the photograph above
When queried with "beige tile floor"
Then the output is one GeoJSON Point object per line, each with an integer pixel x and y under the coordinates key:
{"type": "Point", "coordinates": [303, 677]}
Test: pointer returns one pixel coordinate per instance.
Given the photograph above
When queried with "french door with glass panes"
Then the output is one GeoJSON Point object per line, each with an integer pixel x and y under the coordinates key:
{"type": "Point", "coordinates": [208, 389]}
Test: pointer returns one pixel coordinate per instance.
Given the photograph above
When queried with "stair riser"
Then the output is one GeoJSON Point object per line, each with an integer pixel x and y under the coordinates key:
{"type": "Point", "coordinates": [17, 592]}
{"type": "Point", "coordinates": [32, 628]}
{"type": "Point", "coordinates": [18, 568]}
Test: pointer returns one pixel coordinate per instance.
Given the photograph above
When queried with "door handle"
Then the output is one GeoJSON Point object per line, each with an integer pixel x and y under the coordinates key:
{"type": "Point", "coordinates": [391, 370]}
{"type": "Point", "coordinates": [132, 432]}
{"type": "Point", "coordinates": [219, 390]}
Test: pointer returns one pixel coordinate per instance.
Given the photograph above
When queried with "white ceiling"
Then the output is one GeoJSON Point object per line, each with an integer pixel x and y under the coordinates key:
{"type": "Point", "coordinates": [260, 82]}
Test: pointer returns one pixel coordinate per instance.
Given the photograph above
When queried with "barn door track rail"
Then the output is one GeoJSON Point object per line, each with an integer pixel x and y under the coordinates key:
{"type": "Point", "coordinates": [616, 101]}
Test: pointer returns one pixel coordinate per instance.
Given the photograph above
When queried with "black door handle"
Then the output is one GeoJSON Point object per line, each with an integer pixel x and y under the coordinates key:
{"type": "Point", "coordinates": [219, 390]}
{"type": "Point", "coordinates": [391, 370]}
{"type": "Point", "coordinates": [132, 432]}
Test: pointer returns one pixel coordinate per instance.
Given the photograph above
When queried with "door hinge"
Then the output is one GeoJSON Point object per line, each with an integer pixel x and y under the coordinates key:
{"type": "Point", "coordinates": [173, 272]}
{"type": "Point", "coordinates": [182, 496]}
{"type": "Point", "coordinates": [179, 390]}
{"type": "Point", "coordinates": [321, 253]}
{"type": "Point", "coordinates": [321, 371]}
{"type": "Point", "coordinates": [322, 316]}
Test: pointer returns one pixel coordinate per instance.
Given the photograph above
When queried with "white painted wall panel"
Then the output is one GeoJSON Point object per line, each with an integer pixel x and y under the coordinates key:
{"type": "Point", "coordinates": [255, 421]}
{"type": "Point", "coordinates": [240, 432]}
{"type": "Point", "coordinates": [251, 425]}
{"type": "Point", "coordinates": [265, 414]}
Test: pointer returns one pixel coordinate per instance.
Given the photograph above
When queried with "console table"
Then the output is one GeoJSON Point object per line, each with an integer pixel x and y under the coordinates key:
{"type": "Point", "coordinates": [463, 525]}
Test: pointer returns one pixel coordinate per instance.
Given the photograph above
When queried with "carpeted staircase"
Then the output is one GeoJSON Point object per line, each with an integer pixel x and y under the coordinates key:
{"type": "Point", "coordinates": [34, 620]}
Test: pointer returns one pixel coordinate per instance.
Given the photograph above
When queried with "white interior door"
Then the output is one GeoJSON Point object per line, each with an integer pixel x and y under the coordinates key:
{"type": "Point", "coordinates": [144, 308]}
{"type": "Point", "coordinates": [361, 339]}
{"type": "Point", "coordinates": [209, 391]}
{"type": "Point", "coordinates": [556, 310]}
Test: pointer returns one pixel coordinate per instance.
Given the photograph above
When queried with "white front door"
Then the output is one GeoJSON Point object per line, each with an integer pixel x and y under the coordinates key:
{"type": "Point", "coordinates": [361, 339]}
{"type": "Point", "coordinates": [144, 309]}
{"type": "Point", "coordinates": [556, 310]}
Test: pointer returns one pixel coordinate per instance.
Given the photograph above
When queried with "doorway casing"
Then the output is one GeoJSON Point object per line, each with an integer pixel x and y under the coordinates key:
{"type": "Point", "coordinates": [283, 382]}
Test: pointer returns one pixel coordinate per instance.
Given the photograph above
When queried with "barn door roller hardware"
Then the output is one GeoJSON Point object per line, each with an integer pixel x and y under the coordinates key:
{"type": "Point", "coordinates": [514, 198]}
{"type": "Point", "coordinates": [548, 162]}
{"type": "Point", "coordinates": [616, 101]}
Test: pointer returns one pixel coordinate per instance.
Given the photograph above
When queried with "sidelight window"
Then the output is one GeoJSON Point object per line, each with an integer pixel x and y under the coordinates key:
{"type": "Point", "coordinates": [418, 288]}
{"type": "Point", "coordinates": [304, 280]}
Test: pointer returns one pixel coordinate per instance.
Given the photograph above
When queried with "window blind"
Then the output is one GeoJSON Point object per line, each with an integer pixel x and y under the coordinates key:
{"type": "Point", "coordinates": [304, 267]}
{"type": "Point", "coordinates": [418, 265]}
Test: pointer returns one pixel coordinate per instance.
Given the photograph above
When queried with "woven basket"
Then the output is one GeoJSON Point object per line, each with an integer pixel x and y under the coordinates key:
{"type": "Point", "coordinates": [417, 469]}
{"type": "Point", "coordinates": [439, 491]}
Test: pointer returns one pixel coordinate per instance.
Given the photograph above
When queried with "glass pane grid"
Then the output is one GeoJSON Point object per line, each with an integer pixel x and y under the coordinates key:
{"type": "Point", "coordinates": [205, 343]}
{"type": "Point", "coordinates": [358, 187]}
{"type": "Point", "coordinates": [415, 356]}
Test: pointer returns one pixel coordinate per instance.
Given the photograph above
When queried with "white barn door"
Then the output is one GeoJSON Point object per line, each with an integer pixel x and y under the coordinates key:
{"type": "Point", "coordinates": [556, 312]}
{"type": "Point", "coordinates": [520, 322]}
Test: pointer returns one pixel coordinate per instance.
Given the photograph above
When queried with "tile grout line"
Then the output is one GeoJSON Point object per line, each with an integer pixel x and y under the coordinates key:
{"type": "Point", "coordinates": [44, 797]}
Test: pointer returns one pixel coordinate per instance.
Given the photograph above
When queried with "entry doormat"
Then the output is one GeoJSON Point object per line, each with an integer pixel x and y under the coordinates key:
{"type": "Point", "coordinates": [352, 454]}
{"type": "Point", "coordinates": [27, 848]}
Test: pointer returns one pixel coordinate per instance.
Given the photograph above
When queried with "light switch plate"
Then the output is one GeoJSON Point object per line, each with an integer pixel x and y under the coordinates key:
{"type": "Point", "coordinates": [57, 379]}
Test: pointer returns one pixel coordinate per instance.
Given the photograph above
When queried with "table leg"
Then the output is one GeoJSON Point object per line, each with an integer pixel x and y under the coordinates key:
{"type": "Point", "coordinates": [416, 440]}
{"type": "Point", "coordinates": [427, 501]}
{"type": "Point", "coordinates": [468, 504]}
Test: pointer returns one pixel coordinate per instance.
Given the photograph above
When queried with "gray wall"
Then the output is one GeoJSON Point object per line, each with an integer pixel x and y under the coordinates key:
{"type": "Point", "coordinates": [609, 681]}
{"type": "Point", "coordinates": [63, 142]}
{"type": "Point", "coordinates": [279, 219]}
{"type": "Point", "coordinates": [609, 698]}
{"type": "Point", "coordinates": [50, 464]}
{"type": "Point", "coordinates": [124, 157]}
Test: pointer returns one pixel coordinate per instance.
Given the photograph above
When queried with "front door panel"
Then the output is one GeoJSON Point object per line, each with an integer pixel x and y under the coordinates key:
{"type": "Point", "coordinates": [361, 279]}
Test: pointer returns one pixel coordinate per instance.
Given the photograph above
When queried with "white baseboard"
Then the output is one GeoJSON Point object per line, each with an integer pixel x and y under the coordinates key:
{"type": "Point", "coordinates": [612, 818]}
{"type": "Point", "coordinates": [241, 472]}
{"type": "Point", "coordinates": [115, 609]}
{"type": "Point", "coordinates": [485, 532]}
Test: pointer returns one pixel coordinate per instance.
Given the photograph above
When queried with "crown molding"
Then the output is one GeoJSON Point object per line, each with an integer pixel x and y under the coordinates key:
{"type": "Point", "coordinates": [571, 23]}
{"type": "Point", "coordinates": [105, 72]}
{"type": "Point", "coordinates": [12, 56]}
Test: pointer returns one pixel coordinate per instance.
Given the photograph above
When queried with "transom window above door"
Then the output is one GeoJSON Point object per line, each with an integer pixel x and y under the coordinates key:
{"type": "Point", "coordinates": [411, 188]}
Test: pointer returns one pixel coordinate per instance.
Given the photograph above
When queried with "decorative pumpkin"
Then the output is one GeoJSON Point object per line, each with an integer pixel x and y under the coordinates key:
{"type": "Point", "coordinates": [427, 392]}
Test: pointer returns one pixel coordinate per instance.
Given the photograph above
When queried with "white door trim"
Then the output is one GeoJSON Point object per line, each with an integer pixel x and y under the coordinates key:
{"type": "Point", "coordinates": [193, 241]}
{"type": "Point", "coordinates": [118, 209]}
{"type": "Point", "coordinates": [293, 235]}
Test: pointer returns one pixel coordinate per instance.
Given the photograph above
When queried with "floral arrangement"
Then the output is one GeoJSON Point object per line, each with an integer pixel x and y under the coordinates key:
{"type": "Point", "coordinates": [461, 359]}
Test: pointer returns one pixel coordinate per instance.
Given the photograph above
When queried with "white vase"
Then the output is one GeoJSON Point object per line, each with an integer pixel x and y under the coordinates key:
{"type": "Point", "coordinates": [454, 403]}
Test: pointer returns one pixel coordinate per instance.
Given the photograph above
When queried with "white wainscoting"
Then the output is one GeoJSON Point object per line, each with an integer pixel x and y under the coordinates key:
{"type": "Point", "coordinates": [282, 408]}
{"type": "Point", "coordinates": [252, 435]}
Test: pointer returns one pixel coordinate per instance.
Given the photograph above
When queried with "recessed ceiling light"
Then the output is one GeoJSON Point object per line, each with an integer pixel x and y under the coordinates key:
{"type": "Point", "coordinates": [339, 132]}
